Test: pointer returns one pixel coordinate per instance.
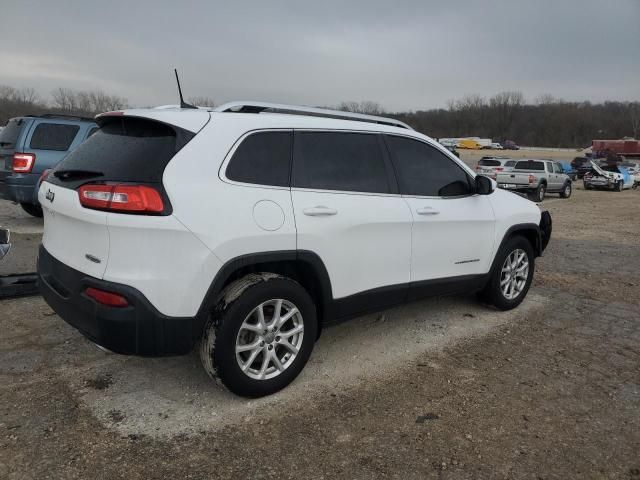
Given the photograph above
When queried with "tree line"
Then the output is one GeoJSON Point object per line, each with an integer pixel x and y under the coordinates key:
{"type": "Point", "coordinates": [547, 121]}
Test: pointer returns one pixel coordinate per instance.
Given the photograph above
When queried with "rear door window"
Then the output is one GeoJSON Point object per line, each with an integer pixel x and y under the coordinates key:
{"type": "Point", "coordinates": [263, 158]}
{"type": "Point", "coordinates": [423, 170]}
{"type": "Point", "coordinates": [53, 136]}
{"type": "Point", "coordinates": [343, 161]}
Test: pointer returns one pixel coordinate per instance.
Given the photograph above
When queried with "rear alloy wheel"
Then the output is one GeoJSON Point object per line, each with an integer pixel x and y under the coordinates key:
{"type": "Point", "coordinates": [619, 186]}
{"type": "Point", "coordinates": [538, 195]}
{"type": "Point", "coordinates": [261, 340]}
{"type": "Point", "coordinates": [566, 190]}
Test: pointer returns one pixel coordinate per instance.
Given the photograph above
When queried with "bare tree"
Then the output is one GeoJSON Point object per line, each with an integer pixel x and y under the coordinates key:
{"type": "Point", "coordinates": [202, 101]}
{"type": "Point", "coordinates": [633, 110]}
{"type": "Point", "coordinates": [503, 107]}
{"type": "Point", "coordinates": [366, 107]}
{"type": "Point", "coordinates": [85, 102]}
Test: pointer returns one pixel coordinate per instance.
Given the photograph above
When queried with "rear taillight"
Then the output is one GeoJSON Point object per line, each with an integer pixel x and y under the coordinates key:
{"type": "Point", "coordinates": [107, 298]}
{"type": "Point", "coordinates": [121, 198]}
{"type": "Point", "coordinates": [23, 162]}
{"type": "Point", "coordinates": [532, 179]}
{"type": "Point", "coordinates": [498, 169]}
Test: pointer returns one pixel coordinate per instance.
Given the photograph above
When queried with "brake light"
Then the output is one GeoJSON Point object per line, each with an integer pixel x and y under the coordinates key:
{"type": "Point", "coordinates": [121, 198]}
{"type": "Point", "coordinates": [107, 298]}
{"type": "Point", "coordinates": [498, 169]}
{"type": "Point", "coordinates": [23, 162]}
{"type": "Point", "coordinates": [532, 179]}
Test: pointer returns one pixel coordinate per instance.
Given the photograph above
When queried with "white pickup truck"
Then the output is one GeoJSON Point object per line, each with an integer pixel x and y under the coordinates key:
{"type": "Point", "coordinates": [535, 178]}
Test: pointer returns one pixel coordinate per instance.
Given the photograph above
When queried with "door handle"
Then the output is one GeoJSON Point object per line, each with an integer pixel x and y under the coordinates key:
{"type": "Point", "coordinates": [319, 211]}
{"type": "Point", "coordinates": [427, 211]}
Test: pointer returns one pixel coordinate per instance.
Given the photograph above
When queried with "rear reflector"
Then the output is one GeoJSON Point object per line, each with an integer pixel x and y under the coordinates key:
{"type": "Point", "coordinates": [532, 179]}
{"type": "Point", "coordinates": [106, 298]}
{"type": "Point", "coordinates": [23, 162]}
{"type": "Point", "coordinates": [121, 198]}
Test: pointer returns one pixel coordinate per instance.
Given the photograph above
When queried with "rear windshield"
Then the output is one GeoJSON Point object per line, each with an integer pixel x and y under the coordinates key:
{"type": "Point", "coordinates": [490, 163]}
{"type": "Point", "coordinates": [530, 165]}
{"type": "Point", "coordinates": [9, 134]}
{"type": "Point", "coordinates": [124, 149]}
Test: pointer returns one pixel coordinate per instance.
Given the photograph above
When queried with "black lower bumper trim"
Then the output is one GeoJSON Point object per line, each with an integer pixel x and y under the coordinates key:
{"type": "Point", "coordinates": [138, 329]}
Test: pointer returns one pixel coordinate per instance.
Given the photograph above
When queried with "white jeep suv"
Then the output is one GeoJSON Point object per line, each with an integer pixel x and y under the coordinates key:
{"type": "Point", "coordinates": [245, 228]}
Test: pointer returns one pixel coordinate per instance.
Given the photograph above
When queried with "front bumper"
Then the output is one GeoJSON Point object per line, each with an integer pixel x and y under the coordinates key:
{"type": "Point", "coordinates": [546, 227]}
{"type": "Point", "coordinates": [138, 329]}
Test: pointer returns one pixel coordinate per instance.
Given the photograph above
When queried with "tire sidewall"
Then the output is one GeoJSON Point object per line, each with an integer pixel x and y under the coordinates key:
{"type": "Point", "coordinates": [540, 192]}
{"type": "Point", "coordinates": [494, 292]}
{"type": "Point", "coordinates": [565, 193]}
{"type": "Point", "coordinates": [228, 325]}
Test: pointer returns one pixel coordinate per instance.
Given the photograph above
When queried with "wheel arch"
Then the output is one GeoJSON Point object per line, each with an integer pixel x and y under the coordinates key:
{"type": "Point", "coordinates": [303, 266]}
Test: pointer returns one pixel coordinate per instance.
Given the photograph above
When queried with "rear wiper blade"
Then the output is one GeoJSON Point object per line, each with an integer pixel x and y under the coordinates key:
{"type": "Point", "coordinates": [73, 174]}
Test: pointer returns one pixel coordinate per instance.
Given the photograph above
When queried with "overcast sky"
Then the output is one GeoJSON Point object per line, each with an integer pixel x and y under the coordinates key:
{"type": "Point", "coordinates": [403, 54]}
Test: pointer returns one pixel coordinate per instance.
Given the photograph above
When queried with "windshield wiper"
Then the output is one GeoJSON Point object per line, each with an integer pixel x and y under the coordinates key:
{"type": "Point", "coordinates": [75, 174]}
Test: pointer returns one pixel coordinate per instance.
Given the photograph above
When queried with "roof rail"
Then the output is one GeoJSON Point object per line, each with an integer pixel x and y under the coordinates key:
{"type": "Point", "coordinates": [63, 116]}
{"type": "Point", "coordinates": [258, 107]}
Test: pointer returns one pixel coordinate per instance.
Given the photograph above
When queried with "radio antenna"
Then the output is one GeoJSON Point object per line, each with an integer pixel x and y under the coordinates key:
{"type": "Point", "coordinates": [183, 104]}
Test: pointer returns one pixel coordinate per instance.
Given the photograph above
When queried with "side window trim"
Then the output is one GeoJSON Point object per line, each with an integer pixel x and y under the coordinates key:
{"type": "Point", "coordinates": [222, 171]}
{"type": "Point", "coordinates": [455, 161]}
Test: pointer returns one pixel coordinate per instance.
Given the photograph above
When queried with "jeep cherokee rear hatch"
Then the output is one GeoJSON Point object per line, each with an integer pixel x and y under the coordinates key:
{"type": "Point", "coordinates": [117, 171]}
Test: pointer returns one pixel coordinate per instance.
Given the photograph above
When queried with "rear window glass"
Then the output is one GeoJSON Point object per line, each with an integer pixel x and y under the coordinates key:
{"type": "Point", "coordinates": [9, 134]}
{"type": "Point", "coordinates": [510, 163]}
{"type": "Point", "coordinates": [123, 149]}
{"type": "Point", "coordinates": [489, 163]}
{"type": "Point", "coordinates": [262, 158]}
{"type": "Point", "coordinates": [53, 136]}
{"type": "Point", "coordinates": [530, 165]}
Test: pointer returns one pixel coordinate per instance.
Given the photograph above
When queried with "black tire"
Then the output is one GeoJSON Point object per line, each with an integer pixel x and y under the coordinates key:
{"type": "Point", "coordinates": [538, 195]}
{"type": "Point", "coordinates": [217, 350]}
{"type": "Point", "coordinates": [33, 210]}
{"type": "Point", "coordinates": [492, 293]}
{"type": "Point", "coordinates": [619, 186]}
{"type": "Point", "coordinates": [566, 190]}
{"type": "Point", "coordinates": [587, 186]}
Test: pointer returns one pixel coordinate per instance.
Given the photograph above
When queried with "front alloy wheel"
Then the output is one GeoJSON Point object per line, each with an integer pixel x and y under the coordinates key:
{"type": "Point", "coordinates": [269, 339]}
{"type": "Point", "coordinates": [514, 275]}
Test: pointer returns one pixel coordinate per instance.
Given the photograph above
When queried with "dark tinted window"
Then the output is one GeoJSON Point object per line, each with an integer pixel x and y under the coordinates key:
{"type": "Point", "coordinates": [489, 163]}
{"type": "Point", "coordinates": [339, 161]}
{"type": "Point", "coordinates": [423, 170]}
{"type": "Point", "coordinates": [9, 134]}
{"type": "Point", "coordinates": [53, 136]}
{"type": "Point", "coordinates": [549, 167]}
{"type": "Point", "coordinates": [558, 168]}
{"type": "Point", "coordinates": [123, 149]}
{"type": "Point", "coordinates": [263, 158]}
{"type": "Point", "coordinates": [529, 165]}
{"type": "Point", "coordinates": [510, 163]}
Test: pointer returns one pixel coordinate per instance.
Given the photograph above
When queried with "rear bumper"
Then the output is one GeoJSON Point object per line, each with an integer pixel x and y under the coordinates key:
{"type": "Point", "coordinates": [138, 329]}
{"type": "Point", "coordinates": [18, 187]}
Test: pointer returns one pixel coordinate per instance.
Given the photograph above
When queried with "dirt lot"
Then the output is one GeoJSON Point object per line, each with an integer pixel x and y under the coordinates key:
{"type": "Point", "coordinates": [443, 388]}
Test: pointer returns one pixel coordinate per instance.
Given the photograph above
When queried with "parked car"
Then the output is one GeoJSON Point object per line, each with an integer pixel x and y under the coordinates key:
{"type": "Point", "coordinates": [28, 146]}
{"type": "Point", "coordinates": [489, 166]}
{"type": "Point", "coordinates": [245, 233]}
{"type": "Point", "coordinates": [611, 177]}
{"type": "Point", "coordinates": [496, 146]}
{"type": "Point", "coordinates": [510, 145]}
{"type": "Point", "coordinates": [536, 178]}
{"type": "Point", "coordinates": [581, 165]}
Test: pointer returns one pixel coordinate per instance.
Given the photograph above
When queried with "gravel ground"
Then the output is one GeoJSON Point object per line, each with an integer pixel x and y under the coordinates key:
{"type": "Point", "coordinates": [443, 388]}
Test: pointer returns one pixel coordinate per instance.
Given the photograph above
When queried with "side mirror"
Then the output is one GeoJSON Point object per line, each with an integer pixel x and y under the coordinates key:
{"type": "Point", "coordinates": [484, 185]}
